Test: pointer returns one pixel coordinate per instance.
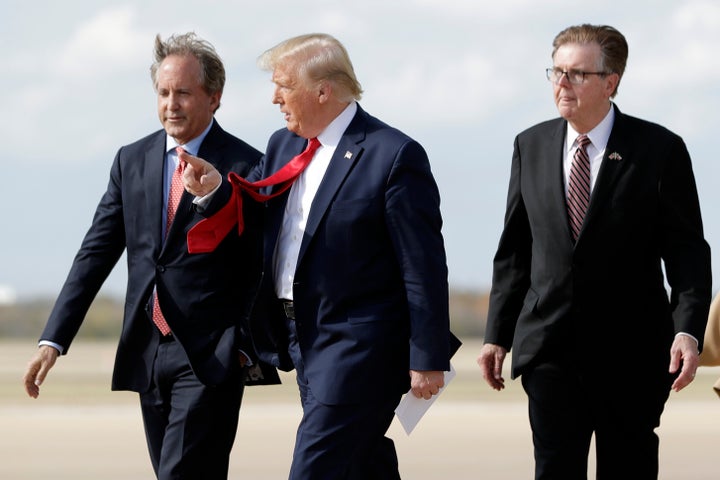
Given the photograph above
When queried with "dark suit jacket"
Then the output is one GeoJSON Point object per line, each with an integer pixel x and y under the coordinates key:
{"type": "Point", "coordinates": [371, 291]}
{"type": "Point", "coordinates": [603, 297]}
{"type": "Point", "coordinates": [205, 298]}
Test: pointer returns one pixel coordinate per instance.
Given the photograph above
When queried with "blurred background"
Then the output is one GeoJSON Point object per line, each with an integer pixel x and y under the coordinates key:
{"type": "Point", "coordinates": [461, 77]}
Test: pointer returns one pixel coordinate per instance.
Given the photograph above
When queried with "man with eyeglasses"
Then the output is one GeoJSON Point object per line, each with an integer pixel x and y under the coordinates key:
{"type": "Point", "coordinates": [602, 210]}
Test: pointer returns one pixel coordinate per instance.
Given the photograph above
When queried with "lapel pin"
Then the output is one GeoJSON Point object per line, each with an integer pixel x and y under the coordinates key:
{"type": "Point", "coordinates": [615, 156]}
{"type": "Point", "coordinates": [348, 154]}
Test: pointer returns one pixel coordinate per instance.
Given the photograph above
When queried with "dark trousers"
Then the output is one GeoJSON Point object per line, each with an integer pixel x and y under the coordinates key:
{"type": "Point", "coordinates": [190, 427]}
{"type": "Point", "coordinates": [341, 442]}
{"type": "Point", "coordinates": [567, 406]}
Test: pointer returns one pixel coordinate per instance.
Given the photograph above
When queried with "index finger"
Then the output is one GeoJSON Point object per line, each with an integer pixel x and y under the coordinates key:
{"type": "Point", "coordinates": [187, 158]}
{"type": "Point", "coordinates": [31, 386]}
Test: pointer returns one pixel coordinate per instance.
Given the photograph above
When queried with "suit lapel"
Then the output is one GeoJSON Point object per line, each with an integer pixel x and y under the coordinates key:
{"type": "Point", "coordinates": [554, 161]}
{"type": "Point", "coordinates": [153, 186]}
{"type": "Point", "coordinates": [347, 154]}
{"type": "Point", "coordinates": [614, 163]}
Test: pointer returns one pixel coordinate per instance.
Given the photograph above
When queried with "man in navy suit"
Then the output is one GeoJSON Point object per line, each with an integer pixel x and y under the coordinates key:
{"type": "Point", "coordinates": [582, 301]}
{"type": "Point", "coordinates": [190, 380]}
{"type": "Point", "coordinates": [355, 290]}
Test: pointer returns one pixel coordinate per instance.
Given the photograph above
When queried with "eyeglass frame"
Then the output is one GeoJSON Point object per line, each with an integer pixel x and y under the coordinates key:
{"type": "Point", "coordinates": [549, 72]}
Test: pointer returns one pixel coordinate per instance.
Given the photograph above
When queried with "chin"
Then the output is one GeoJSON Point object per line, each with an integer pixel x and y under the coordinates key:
{"type": "Point", "coordinates": [566, 113]}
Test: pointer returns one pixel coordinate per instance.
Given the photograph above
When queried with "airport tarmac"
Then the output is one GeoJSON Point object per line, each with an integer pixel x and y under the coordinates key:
{"type": "Point", "coordinates": [80, 430]}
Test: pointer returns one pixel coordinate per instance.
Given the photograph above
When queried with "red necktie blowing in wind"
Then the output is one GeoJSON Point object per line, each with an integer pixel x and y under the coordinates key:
{"type": "Point", "coordinates": [207, 234]}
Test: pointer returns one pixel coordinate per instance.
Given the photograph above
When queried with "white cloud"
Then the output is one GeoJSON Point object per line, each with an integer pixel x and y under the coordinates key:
{"type": "Point", "coordinates": [439, 90]}
{"type": "Point", "coordinates": [704, 14]}
{"type": "Point", "coordinates": [108, 42]}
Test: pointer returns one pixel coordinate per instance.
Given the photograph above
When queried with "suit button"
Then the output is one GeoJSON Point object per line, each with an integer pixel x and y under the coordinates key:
{"type": "Point", "coordinates": [161, 268]}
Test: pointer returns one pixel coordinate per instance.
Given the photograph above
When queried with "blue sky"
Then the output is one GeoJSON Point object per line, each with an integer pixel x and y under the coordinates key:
{"type": "Point", "coordinates": [461, 77]}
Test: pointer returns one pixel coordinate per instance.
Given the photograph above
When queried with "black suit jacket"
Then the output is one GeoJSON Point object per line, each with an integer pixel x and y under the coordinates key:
{"type": "Point", "coordinates": [604, 296]}
{"type": "Point", "coordinates": [371, 287]}
{"type": "Point", "coordinates": [205, 298]}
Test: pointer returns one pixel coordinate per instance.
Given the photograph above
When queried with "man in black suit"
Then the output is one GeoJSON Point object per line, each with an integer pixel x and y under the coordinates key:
{"type": "Point", "coordinates": [579, 293]}
{"type": "Point", "coordinates": [190, 375]}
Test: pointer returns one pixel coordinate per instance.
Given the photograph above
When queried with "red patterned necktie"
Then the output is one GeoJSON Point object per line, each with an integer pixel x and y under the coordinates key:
{"type": "Point", "coordinates": [176, 190]}
{"type": "Point", "coordinates": [578, 197]}
{"type": "Point", "coordinates": [207, 234]}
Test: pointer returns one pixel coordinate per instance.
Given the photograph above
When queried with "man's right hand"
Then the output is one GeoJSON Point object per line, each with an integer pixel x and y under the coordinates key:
{"type": "Point", "coordinates": [38, 369]}
{"type": "Point", "coordinates": [199, 177]}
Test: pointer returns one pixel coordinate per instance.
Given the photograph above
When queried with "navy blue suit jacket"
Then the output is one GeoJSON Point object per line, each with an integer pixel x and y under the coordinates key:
{"type": "Point", "coordinates": [205, 297]}
{"type": "Point", "coordinates": [371, 287]}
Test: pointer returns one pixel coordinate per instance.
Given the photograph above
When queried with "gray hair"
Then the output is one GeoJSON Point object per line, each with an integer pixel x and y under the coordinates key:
{"type": "Point", "coordinates": [212, 70]}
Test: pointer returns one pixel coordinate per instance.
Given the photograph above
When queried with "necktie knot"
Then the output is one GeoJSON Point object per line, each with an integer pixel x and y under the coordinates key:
{"type": "Point", "coordinates": [313, 144]}
{"type": "Point", "coordinates": [583, 141]}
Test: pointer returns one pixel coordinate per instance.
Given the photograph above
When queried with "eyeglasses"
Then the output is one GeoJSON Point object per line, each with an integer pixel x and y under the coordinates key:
{"type": "Point", "coordinates": [575, 77]}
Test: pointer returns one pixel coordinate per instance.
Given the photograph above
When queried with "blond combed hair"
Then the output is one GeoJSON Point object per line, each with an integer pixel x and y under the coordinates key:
{"type": "Point", "coordinates": [317, 57]}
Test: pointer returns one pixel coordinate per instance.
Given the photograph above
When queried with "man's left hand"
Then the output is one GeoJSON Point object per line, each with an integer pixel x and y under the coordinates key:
{"type": "Point", "coordinates": [426, 383]}
{"type": "Point", "coordinates": [684, 350]}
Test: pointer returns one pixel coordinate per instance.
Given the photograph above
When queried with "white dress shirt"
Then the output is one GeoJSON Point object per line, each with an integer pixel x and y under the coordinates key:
{"type": "Point", "coordinates": [596, 149]}
{"type": "Point", "coordinates": [300, 199]}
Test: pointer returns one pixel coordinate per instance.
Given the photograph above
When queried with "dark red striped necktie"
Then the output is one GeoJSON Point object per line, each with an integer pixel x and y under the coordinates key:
{"type": "Point", "coordinates": [207, 234]}
{"type": "Point", "coordinates": [578, 197]}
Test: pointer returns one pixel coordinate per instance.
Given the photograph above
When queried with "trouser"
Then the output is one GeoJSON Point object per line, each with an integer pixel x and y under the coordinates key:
{"type": "Point", "coordinates": [190, 427]}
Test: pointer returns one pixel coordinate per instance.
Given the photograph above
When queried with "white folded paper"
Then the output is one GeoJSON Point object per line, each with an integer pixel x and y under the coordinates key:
{"type": "Point", "coordinates": [411, 409]}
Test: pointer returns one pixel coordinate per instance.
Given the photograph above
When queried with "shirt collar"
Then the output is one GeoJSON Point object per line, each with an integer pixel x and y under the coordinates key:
{"type": "Point", "coordinates": [333, 133]}
{"type": "Point", "coordinates": [598, 136]}
{"type": "Point", "coordinates": [192, 147]}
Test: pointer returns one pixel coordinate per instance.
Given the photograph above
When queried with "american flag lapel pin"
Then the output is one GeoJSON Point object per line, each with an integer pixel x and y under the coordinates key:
{"type": "Point", "coordinates": [348, 155]}
{"type": "Point", "coordinates": [615, 156]}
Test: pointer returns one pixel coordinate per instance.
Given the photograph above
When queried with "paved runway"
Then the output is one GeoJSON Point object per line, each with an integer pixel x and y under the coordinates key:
{"type": "Point", "coordinates": [79, 430]}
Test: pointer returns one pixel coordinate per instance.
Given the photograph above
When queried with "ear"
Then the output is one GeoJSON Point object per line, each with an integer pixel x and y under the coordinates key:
{"type": "Point", "coordinates": [324, 91]}
{"type": "Point", "coordinates": [611, 83]}
{"type": "Point", "coordinates": [215, 100]}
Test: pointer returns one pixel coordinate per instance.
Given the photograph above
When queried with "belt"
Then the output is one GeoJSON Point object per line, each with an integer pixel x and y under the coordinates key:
{"type": "Point", "coordinates": [288, 308]}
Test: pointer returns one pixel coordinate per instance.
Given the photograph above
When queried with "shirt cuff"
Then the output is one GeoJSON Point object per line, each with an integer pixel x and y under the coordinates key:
{"type": "Point", "coordinates": [249, 362]}
{"type": "Point", "coordinates": [203, 201]}
{"type": "Point", "coordinates": [51, 344]}
{"type": "Point", "coordinates": [687, 335]}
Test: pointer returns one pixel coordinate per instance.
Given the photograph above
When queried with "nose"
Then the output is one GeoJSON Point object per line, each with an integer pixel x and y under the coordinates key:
{"type": "Point", "coordinates": [276, 99]}
{"type": "Point", "coordinates": [172, 101]}
{"type": "Point", "coordinates": [564, 80]}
